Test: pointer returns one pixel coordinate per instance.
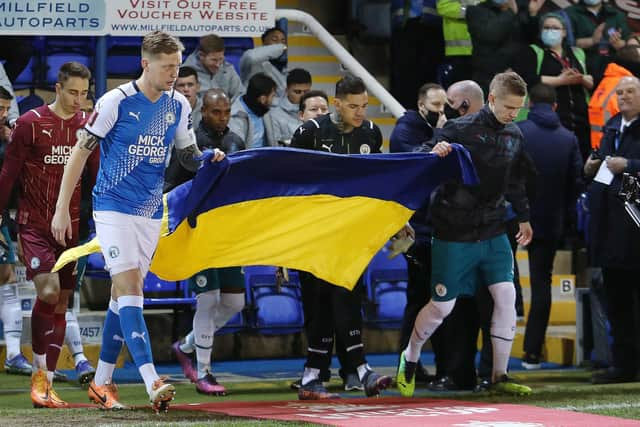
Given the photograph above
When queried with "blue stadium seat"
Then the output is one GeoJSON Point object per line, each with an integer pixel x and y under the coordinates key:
{"type": "Point", "coordinates": [386, 282]}
{"type": "Point", "coordinates": [28, 76]}
{"type": "Point", "coordinates": [55, 60]}
{"type": "Point", "coordinates": [123, 56]}
{"type": "Point", "coordinates": [234, 47]}
{"type": "Point", "coordinates": [190, 44]}
{"type": "Point", "coordinates": [95, 267]}
{"type": "Point", "coordinates": [58, 50]}
{"type": "Point", "coordinates": [276, 310]}
{"type": "Point", "coordinates": [235, 324]}
{"type": "Point", "coordinates": [234, 59]}
{"type": "Point", "coordinates": [29, 102]}
{"type": "Point", "coordinates": [238, 43]}
{"type": "Point", "coordinates": [165, 292]}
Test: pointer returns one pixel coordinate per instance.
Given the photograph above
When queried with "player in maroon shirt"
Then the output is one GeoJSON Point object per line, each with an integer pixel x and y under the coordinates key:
{"type": "Point", "coordinates": [40, 146]}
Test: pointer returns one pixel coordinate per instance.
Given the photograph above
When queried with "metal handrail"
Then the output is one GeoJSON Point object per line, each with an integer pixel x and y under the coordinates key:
{"type": "Point", "coordinates": [347, 60]}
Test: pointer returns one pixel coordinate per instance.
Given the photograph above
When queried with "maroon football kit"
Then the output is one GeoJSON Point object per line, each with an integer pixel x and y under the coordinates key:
{"type": "Point", "coordinates": [40, 147]}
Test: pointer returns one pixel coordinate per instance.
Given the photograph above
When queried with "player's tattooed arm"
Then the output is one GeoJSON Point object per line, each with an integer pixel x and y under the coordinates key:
{"type": "Point", "coordinates": [86, 140]}
{"type": "Point", "coordinates": [187, 157]}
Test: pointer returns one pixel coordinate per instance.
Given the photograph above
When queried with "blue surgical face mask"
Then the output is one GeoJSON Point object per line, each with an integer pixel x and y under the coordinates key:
{"type": "Point", "coordinates": [592, 2]}
{"type": "Point", "coordinates": [551, 38]}
{"type": "Point", "coordinates": [499, 2]}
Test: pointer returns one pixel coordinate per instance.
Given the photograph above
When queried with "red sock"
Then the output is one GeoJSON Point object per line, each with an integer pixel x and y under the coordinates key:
{"type": "Point", "coordinates": [56, 341]}
{"type": "Point", "coordinates": [41, 326]}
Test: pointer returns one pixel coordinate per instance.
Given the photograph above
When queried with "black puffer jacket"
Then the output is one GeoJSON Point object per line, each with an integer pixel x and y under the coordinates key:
{"type": "Point", "coordinates": [463, 213]}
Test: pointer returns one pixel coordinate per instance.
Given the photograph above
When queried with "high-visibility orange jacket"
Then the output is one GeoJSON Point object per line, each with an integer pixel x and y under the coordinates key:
{"type": "Point", "coordinates": [604, 103]}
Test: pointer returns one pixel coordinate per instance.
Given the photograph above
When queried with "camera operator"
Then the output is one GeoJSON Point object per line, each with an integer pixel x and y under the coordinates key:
{"type": "Point", "coordinates": [615, 241]}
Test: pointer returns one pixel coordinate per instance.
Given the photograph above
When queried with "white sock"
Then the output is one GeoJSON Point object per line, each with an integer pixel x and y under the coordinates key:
{"type": "Point", "coordinates": [39, 361]}
{"type": "Point", "coordinates": [503, 325]}
{"type": "Point", "coordinates": [427, 321]}
{"type": "Point", "coordinates": [230, 304]}
{"type": "Point", "coordinates": [362, 370]}
{"type": "Point", "coordinates": [203, 329]}
{"type": "Point", "coordinates": [149, 376]}
{"type": "Point", "coordinates": [11, 316]}
{"type": "Point", "coordinates": [309, 375]}
{"type": "Point", "coordinates": [72, 338]}
{"type": "Point", "coordinates": [50, 377]}
{"type": "Point", "coordinates": [189, 343]}
{"type": "Point", "coordinates": [104, 373]}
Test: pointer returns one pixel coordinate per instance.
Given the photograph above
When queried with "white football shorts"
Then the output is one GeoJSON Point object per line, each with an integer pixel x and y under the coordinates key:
{"type": "Point", "coordinates": [127, 241]}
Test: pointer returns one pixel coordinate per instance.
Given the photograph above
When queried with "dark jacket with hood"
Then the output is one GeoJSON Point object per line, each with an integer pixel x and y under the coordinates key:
{"type": "Point", "coordinates": [555, 153]}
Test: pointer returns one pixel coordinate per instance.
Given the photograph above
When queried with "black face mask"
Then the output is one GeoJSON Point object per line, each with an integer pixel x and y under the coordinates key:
{"type": "Point", "coordinates": [432, 118]}
{"type": "Point", "coordinates": [280, 62]}
{"type": "Point", "coordinates": [454, 113]}
{"type": "Point", "coordinates": [451, 113]}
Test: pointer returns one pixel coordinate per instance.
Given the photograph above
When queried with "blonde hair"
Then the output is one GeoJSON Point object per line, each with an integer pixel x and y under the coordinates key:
{"type": "Point", "coordinates": [508, 83]}
{"type": "Point", "coordinates": [159, 42]}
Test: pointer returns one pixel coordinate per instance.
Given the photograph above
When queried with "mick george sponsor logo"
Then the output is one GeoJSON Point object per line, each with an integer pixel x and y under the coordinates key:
{"type": "Point", "coordinates": [59, 155]}
{"type": "Point", "coordinates": [151, 146]}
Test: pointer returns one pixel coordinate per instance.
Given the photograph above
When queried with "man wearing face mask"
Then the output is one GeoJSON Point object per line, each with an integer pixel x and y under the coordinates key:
{"type": "Point", "coordinates": [463, 97]}
{"type": "Point", "coordinates": [412, 130]}
{"type": "Point", "coordinates": [416, 127]}
{"type": "Point", "coordinates": [601, 30]}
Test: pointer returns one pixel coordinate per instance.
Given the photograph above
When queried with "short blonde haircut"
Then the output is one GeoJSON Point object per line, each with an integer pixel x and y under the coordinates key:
{"type": "Point", "coordinates": [508, 83]}
{"type": "Point", "coordinates": [159, 42]}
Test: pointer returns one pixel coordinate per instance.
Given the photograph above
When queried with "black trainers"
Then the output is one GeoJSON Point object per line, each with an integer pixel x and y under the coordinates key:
{"type": "Point", "coordinates": [314, 390]}
{"type": "Point", "coordinates": [483, 385]}
{"type": "Point", "coordinates": [422, 374]}
{"type": "Point", "coordinates": [325, 375]}
{"type": "Point", "coordinates": [375, 383]}
{"type": "Point", "coordinates": [611, 376]}
{"type": "Point", "coordinates": [444, 383]}
{"type": "Point", "coordinates": [352, 383]}
{"type": "Point", "coordinates": [296, 384]}
{"type": "Point", "coordinates": [531, 362]}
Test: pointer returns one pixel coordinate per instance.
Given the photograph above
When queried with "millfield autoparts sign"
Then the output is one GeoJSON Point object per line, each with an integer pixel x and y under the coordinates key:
{"type": "Point", "coordinates": [226, 18]}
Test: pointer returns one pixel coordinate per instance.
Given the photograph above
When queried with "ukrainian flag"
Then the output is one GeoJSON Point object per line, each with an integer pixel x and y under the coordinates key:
{"type": "Point", "coordinates": [325, 213]}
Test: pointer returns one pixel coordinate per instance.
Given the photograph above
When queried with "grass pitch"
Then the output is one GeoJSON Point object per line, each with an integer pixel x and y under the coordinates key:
{"type": "Point", "coordinates": [552, 389]}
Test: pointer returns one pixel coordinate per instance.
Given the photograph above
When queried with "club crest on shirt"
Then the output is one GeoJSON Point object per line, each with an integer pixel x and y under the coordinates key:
{"type": "Point", "coordinates": [441, 290]}
{"type": "Point", "coordinates": [170, 118]}
{"type": "Point", "coordinates": [201, 281]}
{"type": "Point", "coordinates": [114, 251]}
{"type": "Point", "coordinates": [365, 149]}
{"type": "Point", "coordinates": [35, 262]}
